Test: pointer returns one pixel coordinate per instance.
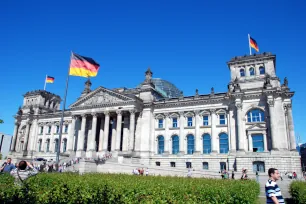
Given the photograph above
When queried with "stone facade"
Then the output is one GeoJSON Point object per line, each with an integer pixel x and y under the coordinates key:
{"type": "Point", "coordinates": [249, 126]}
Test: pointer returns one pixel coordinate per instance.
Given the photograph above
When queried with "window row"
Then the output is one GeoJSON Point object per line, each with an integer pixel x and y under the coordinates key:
{"type": "Point", "coordinates": [47, 147]}
{"type": "Point", "coordinates": [251, 71]}
{"type": "Point", "coordinates": [206, 121]}
{"type": "Point", "coordinates": [49, 128]}
{"type": "Point", "coordinates": [254, 115]}
{"type": "Point", "coordinates": [258, 166]}
{"type": "Point", "coordinates": [223, 144]}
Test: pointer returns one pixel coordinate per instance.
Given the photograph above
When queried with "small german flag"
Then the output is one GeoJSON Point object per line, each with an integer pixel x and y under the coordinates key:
{"type": "Point", "coordinates": [49, 79]}
{"type": "Point", "coordinates": [253, 44]}
{"type": "Point", "coordinates": [83, 66]}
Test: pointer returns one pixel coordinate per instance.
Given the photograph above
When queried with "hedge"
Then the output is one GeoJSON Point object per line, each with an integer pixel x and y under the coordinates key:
{"type": "Point", "coordinates": [121, 188]}
{"type": "Point", "coordinates": [298, 192]}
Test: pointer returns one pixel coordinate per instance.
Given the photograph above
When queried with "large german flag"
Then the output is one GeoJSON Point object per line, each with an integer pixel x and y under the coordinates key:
{"type": "Point", "coordinates": [253, 44]}
{"type": "Point", "coordinates": [83, 66]}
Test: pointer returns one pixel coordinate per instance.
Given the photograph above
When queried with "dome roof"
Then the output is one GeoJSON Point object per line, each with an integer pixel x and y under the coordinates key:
{"type": "Point", "coordinates": [166, 88]}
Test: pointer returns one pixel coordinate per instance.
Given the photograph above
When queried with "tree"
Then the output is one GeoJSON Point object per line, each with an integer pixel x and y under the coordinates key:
{"type": "Point", "coordinates": [1, 121]}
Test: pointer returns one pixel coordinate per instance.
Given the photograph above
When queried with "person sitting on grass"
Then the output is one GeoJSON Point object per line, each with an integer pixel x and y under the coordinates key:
{"type": "Point", "coordinates": [24, 171]}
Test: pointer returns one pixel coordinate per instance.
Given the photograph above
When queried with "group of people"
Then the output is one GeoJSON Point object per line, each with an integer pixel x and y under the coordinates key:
{"type": "Point", "coordinates": [21, 171]}
{"type": "Point", "coordinates": [141, 171]}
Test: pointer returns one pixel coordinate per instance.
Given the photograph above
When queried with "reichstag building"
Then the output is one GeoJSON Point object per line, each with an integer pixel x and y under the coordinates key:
{"type": "Point", "coordinates": [249, 126]}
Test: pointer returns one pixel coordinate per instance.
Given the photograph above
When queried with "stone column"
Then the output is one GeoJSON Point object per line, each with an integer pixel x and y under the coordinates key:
{"type": "Point", "coordinates": [26, 137]}
{"type": "Point", "coordinates": [114, 134]}
{"type": "Point", "coordinates": [214, 134]}
{"type": "Point", "coordinates": [91, 143]}
{"type": "Point", "coordinates": [71, 134]}
{"type": "Point", "coordinates": [106, 131]}
{"type": "Point", "coordinates": [13, 145]}
{"type": "Point", "coordinates": [82, 134]}
{"type": "Point", "coordinates": [250, 143]}
{"type": "Point", "coordinates": [167, 139]}
{"type": "Point", "coordinates": [182, 136]}
{"type": "Point", "coordinates": [33, 138]}
{"type": "Point", "coordinates": [119, 127]}
{"type": "Point", "coordinates": [132, 130]}
{"type": "Point", "coordinates": [241, 135]}
{"type": "Point", "coordinates": [273, 126]}
{"type": "Point", "coordinates": [101, 135]}
{"type": "Point", "coordinates": [125, 134]}
{"type": "Point", "coordinates": [231, 130]}
{"type": "Point", "coordinates": [291, 128]}
{"type": "Point", "coordinates": [265, 142]}
{"type": "Point", "coordinates": [198, 146]}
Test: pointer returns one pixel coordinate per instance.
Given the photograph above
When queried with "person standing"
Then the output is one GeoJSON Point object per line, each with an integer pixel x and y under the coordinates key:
{"type": "Point", "coordinates": [24, 171]}
{"type": "Point", "coordinates": [7, 166]}
{"type": "Point", "coordinates": [233, 175]}
{"type": "Point", "coordinates": [257, 177]}
{"type": "Point", "coordinates": [273, 192]}
{"type": "Point", "coordinates": [147, 172]}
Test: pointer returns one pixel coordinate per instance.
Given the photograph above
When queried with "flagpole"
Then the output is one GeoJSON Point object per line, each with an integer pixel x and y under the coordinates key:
{"type": "Point", "coordinates": [250, 44]}
{"type": "Point", "coordinates": [62, 118]}
{"type": "Point", "coordinates": [45, 83]}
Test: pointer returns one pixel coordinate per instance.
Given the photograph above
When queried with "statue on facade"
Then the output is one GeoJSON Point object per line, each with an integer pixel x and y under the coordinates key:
{"type": "Point", "coordinates": [285, 82]}
{"type": "Point", "coordinates": [267, 83]}
{"type": "Point", "coordinates": [212, 91]}
{"type": "Point", "coordinates": [148, 75]}
{"type": "Point", "coordinates": [197, 92]}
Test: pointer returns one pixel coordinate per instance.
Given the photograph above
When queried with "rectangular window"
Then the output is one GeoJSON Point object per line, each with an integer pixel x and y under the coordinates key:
{"type": "Point", "coordinates": [41, 131]}
{"type": "Point", "coordinates": [174, 122]}
{"type": "Point", "coordinates": [205, 165]}
{"type": "Point", "coordinates": [205, 120]}
{"type": "Point", "coordinates": [189, 121]}
{"type": "Point", "coordinates": [222, 119]}
{"type": "Point", "coordinates": [222, 166]}
{"type": "Point", "coordinates": [57, 129]}
{"type": "Point", "coordinates": [258, 144]}
{"type": "Point", "coordinates": [172, 164]}
{"type": "Point", "coordinates": [49, 129]}
{"type": "Point", "coordinates": [160, 123]}
{"type": "Point", "coordinates": [188, 165]}
{"type": "Point", "coordinates": [66, 128]}
{"type": "Point", "coordinates": [157, 163]}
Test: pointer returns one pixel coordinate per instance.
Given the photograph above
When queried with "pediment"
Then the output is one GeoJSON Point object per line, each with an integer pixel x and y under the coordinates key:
{"type": "Point", "coordinates": [101, 96]}
{"type": "Point", "coordinates": [257, 127]}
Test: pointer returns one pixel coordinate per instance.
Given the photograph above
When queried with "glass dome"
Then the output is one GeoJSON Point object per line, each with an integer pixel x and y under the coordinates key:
{"type": "Point", "coordinates": [166, 88]}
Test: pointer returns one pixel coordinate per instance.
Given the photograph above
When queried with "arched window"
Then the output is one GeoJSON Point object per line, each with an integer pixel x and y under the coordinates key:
{"type": "Point", "coordinates": [190, 144]}
{"type": "Point", "coordinates": [39, 145]}
{"type": "Point", "coordinates": [175, 144]}
{"type": "Point", "coordinates": [262, 70]}
{"type": "Point", "coordinates": [48, 145]}
{"type": "Point", "coordinates": [258, 143]}
{"type": "Point", "coordinates": [64, 145]}
{"type": "Point", "coordinates": [206, 144]}
{"type": "Point", "coordinates": [256, 115]}
{"type": "Point", "coordinates": [56, 145]}
{"type": "Point", "coordinates": [223, 138]}
{"type": "Point", "coordinates": [161, 144]}
{"type": "Point", "coordinates": [252, 71]}
{"type": "Point", "coordinates": [258, 166]}
{"type": "Point", "coordinates": [242, 73]}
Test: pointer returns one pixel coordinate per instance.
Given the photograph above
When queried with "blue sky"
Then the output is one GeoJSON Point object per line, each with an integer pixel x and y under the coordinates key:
{"type": "Point", "coordinates": [185, 42]}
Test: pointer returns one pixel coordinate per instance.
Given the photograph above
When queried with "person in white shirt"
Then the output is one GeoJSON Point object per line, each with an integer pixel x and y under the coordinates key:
{"type": "Point", "coordinates": [147, 172]}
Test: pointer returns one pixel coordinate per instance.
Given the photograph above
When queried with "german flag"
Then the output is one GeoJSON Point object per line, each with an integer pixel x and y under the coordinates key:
{"type": "Point", "coordinates": [83, 66]}
{"type": "Point", "coordinates": [253, 44]}
{"type": "Point", "coordinates": [49, 79]}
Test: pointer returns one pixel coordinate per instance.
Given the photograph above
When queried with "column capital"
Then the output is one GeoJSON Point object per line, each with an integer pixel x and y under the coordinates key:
{"type": "Point", "coordinates": [17, 123]}
{"type": "Point", "coordinates": [181, 113]}
{"type": "Point", "coordinates": [270, 103]}
{"type": "Point", "coordinates": [239, 106]}
{"type": "Point", "coordinates": [132, 112]}
{"type": "Point", "coordinates": [212, 111]}
{"type": "Point", "coordinates": [75, 117]}
{"type": "Point", "coordinates": [106, 113]}
{"type": "Point", "coordinates": [289, 106]}
{"type": "Point", "coordinates": [28, 122]}
{"type": "Point", "coordinates": [197, 112]}
{"type": "Point", "coordinates": [94, 114]}
{"type": "Point", "coordinates": [84, 115]}
{"type": "Point", "coordinates": [119, 112]}
{"type": "Point", "coordinates": [167, 115]}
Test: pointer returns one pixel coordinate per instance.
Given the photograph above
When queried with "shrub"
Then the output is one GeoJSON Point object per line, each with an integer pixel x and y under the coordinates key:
{"type": "Point", "coordinates": [120, 188]}
{"type": "Point", "coordinates": [298, 192]}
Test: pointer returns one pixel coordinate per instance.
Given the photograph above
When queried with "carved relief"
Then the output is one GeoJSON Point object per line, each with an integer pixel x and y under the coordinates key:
{"type": "Point", "coordinates": [101, 97]}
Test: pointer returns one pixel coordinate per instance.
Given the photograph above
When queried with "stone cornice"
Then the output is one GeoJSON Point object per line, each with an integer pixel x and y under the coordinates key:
{"type": "Point", "coordinates": [251, 58]}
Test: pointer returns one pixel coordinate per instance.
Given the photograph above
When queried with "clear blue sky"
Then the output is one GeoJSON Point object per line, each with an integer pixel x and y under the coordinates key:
{"type": "Point", "coordinates": [185, 42]}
